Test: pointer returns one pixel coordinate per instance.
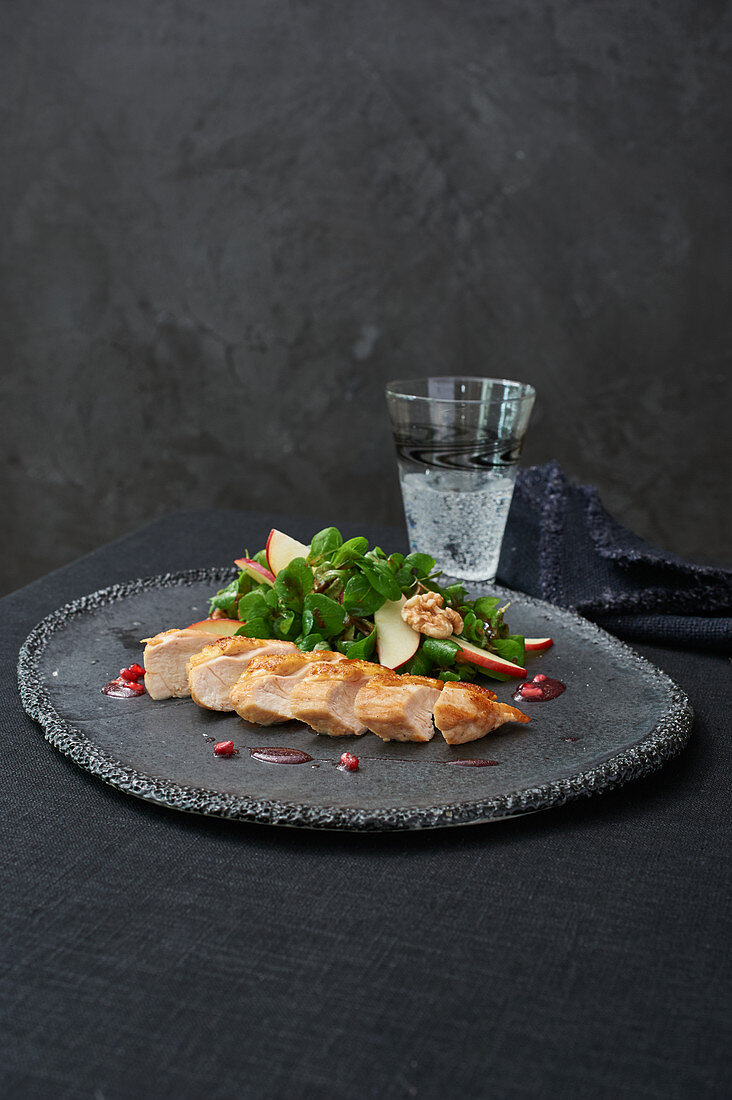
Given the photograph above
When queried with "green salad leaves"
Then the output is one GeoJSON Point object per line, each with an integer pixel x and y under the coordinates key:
{"type": "Point", "coordinates": [328, 599]}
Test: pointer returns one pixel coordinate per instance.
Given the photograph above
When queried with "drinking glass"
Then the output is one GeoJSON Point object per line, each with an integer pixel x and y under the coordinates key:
{"type": "Point", "coordinates": [458, 441]}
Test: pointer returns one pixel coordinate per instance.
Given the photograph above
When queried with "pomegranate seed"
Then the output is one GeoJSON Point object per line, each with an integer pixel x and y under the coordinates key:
{"type": "Point", "coordinates": [539, 678]}
{"type": "Point", "coordinates": [349, 762]}
{"type": "Point", "coordinates": [129, 685]}
{"type": "Point", "coordinates": [134, 672]}
{"type": "Point", "coordinates": [224, 748]}
{"type": "Point", "coordinates": [528, 692]}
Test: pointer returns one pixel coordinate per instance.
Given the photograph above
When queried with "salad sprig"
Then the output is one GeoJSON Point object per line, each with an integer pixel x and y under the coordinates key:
{"type": "Point", "coordinates": [328, 598]}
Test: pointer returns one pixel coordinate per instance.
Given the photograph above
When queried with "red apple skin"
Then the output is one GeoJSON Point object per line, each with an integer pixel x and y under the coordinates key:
{"type": "Point", "coordinates": [222, 628]}
{"type": "Point", "coordinates": [536, 645]}
{"type": "Point", "coordinates": [479, 657]}
{"type": "Point", "coordinates": [266, 545]}
{"type": "Point", "coordinates": [251, 567]}
{"type": "Point", "coordinates": [273, 533]}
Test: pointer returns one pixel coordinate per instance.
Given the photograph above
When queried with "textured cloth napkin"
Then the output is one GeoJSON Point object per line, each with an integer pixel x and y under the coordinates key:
{"type": "Point", "coordinates": [563, 546]}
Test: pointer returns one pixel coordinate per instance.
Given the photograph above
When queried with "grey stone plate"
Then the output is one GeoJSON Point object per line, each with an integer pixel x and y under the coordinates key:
{"type": "Point", "coordinates": [620, 718]}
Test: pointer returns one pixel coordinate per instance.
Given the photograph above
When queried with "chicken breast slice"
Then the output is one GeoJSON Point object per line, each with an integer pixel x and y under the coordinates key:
{"type": "Point", "coordinates": [165, 658]}
{"type": "Point", "coordinates": [213, 672]}
{"type": "Point", "coordinates": [324, 698]}
{"type": "Point", "coordinates": [262, 693]}
{"type": "Point", "coordinates": [399, 709]}
{"type": "Point", "coordinates": [466, 712]}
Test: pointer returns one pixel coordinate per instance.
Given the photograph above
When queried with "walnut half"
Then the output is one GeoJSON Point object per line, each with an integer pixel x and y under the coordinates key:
{"type": "Point", "coordinates": [427, 614]}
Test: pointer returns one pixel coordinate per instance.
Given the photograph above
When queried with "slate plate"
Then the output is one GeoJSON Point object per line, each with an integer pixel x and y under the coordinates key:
{"type": "Point", "coordinates": [620, 718]}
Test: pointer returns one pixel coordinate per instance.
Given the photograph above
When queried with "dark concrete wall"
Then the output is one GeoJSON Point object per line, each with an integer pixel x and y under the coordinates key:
{"type": "Point", "coordinates": [225, 225]}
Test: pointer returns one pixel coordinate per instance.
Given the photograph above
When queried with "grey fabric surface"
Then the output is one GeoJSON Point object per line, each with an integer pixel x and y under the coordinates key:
{"type": "Point", "coordinates": [581, 952]}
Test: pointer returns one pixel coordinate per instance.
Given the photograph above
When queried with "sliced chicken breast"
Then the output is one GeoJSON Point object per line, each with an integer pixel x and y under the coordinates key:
{"type": "Point", "coordinates": [165, 657]}
{"type": "Point", "coordinates": [213, 672]}
{"type": "Point", "coordinates": [466, 712]}
{"type": "Point", "coordinates": [399, 709]}
{"type": "Point", "coordinates": [324, 698]}
{"type": "Point", "coordinates": [262, 693]}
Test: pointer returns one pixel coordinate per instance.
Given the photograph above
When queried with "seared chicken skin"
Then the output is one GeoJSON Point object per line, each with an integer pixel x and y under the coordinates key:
{"type": "Point", "coordinates": [267, 681]}
{"type": "Point", "coordinates": [213, 672]}
{"type": "Point", "coordinates": [165, 658]}
{"type": "Point", "coordinates": [324, 698]}
{"type": "Point", "coordinates": [399, 709]}
{"type": "Point", "coordinates": [466, 712]}
{"type": "Point", "coordinates": [262, 693]}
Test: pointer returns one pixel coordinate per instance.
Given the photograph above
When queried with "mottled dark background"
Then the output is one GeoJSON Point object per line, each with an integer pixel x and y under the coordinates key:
{"type": "Point", "coordinates": [226, 225]}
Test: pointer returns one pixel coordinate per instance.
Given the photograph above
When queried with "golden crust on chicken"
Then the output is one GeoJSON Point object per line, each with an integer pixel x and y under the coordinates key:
{"type": "Point", "coordinates": [261, 694]}
{"type": "Point", "coordinates": [324, 699]}
{"type": "Point", "coordinates": [213, 672]}
{"type": "Point", "coordinates": [399, 709]}
{"type": "Point", "coordinates": [466, 712]}
{"type": "Point", "coordinates": [165, 658]}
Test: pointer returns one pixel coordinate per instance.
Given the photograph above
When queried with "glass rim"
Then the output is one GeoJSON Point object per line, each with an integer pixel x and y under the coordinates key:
{"type": "Point", "coordinates": [527, 390]}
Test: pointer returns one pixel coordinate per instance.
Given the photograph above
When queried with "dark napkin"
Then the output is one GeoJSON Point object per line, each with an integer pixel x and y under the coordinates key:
{"type": "Point", "coordinates": [563, 546]}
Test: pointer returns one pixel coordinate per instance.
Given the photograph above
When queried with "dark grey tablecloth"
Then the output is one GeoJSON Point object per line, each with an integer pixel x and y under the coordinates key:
{"type": "Point", "coordinates": [582, 952]}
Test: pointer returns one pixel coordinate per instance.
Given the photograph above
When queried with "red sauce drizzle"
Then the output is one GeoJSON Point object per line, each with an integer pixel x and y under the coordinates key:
{"type": "Point", "coordinates": [273, 755]}
{"type": "Point", "coordinates": [123, 689]}
{"type": "Point", "coordinates": [539, 690]}
{"type": "Point", "coordinates": [479, 763]}
{"type": "Point", "coordinates": [127, 685]}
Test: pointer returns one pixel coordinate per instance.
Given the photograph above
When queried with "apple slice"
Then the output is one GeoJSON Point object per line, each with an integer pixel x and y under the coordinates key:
{"type": "Point", "coordinates": [281, 550]}
{"type": "Point", "coordinates": [221, 628]}
{"type": "Point", "coordinates": [535, 645]}
{"type": "Point", "coordinates": [254, 570]}
{"type": "Point", "coordinates": [476, 656]}
{"type": "Point", "coordinates": [396, 641]}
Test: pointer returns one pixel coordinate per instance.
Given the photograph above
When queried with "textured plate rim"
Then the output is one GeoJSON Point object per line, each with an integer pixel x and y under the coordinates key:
{"type": "Point", "coordinates": [662, 743]}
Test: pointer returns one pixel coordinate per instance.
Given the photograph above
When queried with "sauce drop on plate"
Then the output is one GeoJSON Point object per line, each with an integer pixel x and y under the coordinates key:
{"type": "Point", "coordinates": [539, 690]}
{"type": "Point", "coordinates": [478, 763]}
{"type": "Point", "coordinates": [123, 689]}
{"type": "Point", "coordinates": [275, 755]}
{"type": "Point", "coordinates": [127, 685]}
